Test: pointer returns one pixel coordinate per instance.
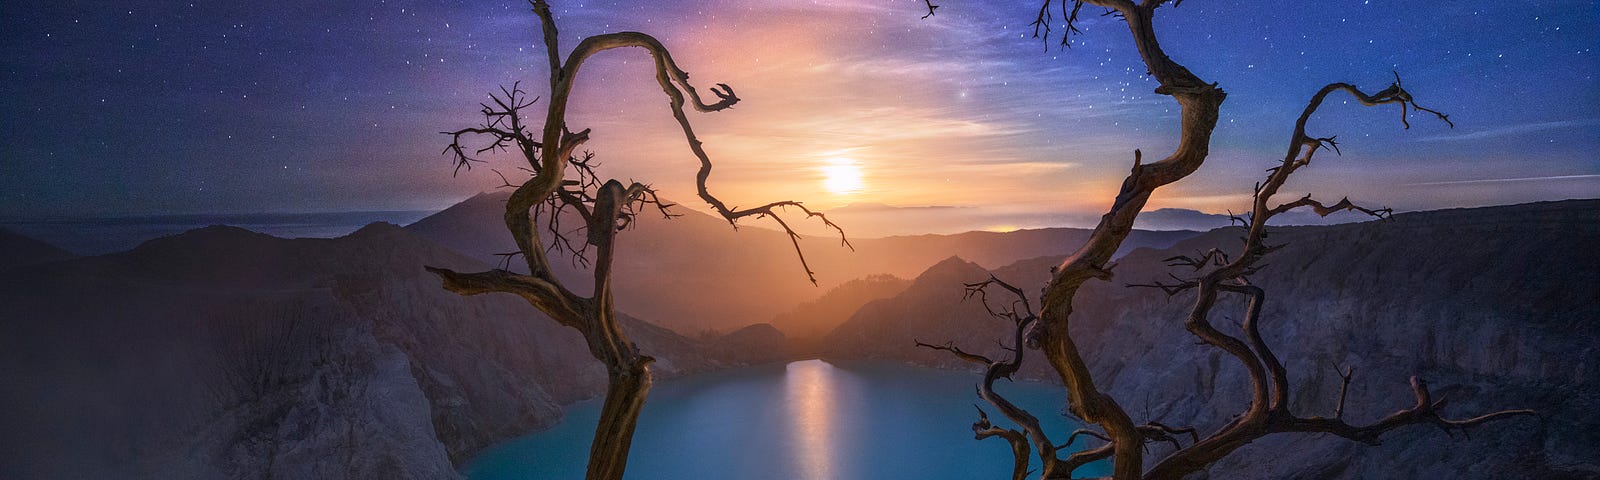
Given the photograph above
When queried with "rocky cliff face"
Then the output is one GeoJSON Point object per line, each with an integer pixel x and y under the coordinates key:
{"type": "Point", "coordinates": [1496, 307]}
{"type": "Point", "coordinates": [223, 353]}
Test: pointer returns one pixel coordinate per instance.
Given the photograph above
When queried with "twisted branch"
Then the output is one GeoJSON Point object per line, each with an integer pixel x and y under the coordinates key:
{"type": "Point", "coordinates": [1216, 273]}
{"type": "Point", "coordinates": [1424, 412]}
{"type": "Point", "coordinates": [982, 429]}
{"type": "Point", "coordinates": [1023, 319]}
{"type": "Point", "coordinates": [560, 185]}
{"type": "Point", "coordinates": [1269, 411]}
{"type": "Point", "coordinates": [1199, 102]}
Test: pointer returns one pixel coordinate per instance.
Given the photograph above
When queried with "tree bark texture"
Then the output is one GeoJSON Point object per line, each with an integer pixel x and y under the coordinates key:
{"type": "Point", "coordinates": [1217, 273]}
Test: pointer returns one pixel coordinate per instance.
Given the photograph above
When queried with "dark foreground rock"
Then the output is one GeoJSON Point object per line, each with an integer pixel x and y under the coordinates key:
{"type": "Point", "coordinates": [17, 250]}
{"type": "Point", "coordinates": [223, 353]}
{"type": "Point", "coordinates": [1496, 307]}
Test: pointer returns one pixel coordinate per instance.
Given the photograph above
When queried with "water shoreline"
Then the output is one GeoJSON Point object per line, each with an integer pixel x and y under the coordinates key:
{"type": "Point", "coordinates": [859, 402]}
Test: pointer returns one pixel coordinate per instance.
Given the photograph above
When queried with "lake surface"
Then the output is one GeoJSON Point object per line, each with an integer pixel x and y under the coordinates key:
{"type": "Point", "coordinates": [807, 420]}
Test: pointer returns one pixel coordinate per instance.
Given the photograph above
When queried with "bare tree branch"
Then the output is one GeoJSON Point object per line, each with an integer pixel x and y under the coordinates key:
{"type": "Point", "coordinates": [1216, 273]}
{"type": "Point", "coordinates": [1269, 412]}
{"type": "Point", "coordinates": [1087, 433]}
{"type": "Point", "coordinates": [1344, 388]}
{"type": "Point", "coordinates": [1158, 428]}
{"type": "Point", "coordinates": [1019, 443]}
{"type": "Point", "coordinates": [1023, 320]}
{"type": "Point", "coordinates": [1424, 412]}
{"type": "Point", "coordinates": [564, 188]}
{"type": "Point", "coordinates": [1199, 102]}
{"type": "Point", "coordinates": [958, 352]}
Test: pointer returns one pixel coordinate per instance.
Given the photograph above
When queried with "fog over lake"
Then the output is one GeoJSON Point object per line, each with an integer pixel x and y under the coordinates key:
{"type": "Point", "coordinates": [807, 420]}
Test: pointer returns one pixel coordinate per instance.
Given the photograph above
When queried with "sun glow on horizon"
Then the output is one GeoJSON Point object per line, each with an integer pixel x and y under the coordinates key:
{"type": "Point", "coordinates": [842, 176]}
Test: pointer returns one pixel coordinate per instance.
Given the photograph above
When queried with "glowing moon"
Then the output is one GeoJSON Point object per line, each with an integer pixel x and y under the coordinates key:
{"type": "Point", "coordinates": [841, 176]}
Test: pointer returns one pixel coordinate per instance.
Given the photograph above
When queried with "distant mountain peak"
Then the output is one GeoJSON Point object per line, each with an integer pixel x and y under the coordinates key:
{"type": "Point", "coordinates": [18, 250]}
{"type": "Point", "coordinates": [377, 229]}
{"type": "Point", "coordinates": [950, 269]}
{"type": "Point", "coordinates": [496, 195]}
{"type": "Point", "coordinates": [221, 230]}
{"type": "Point", "coordinates": [208, 235]}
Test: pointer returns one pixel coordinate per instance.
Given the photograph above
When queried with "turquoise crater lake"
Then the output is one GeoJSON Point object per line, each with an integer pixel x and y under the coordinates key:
{"type": "Point", "coordinates": [807, 420]}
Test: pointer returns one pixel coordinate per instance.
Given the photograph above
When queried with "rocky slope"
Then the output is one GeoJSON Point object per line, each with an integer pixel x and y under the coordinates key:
{"type": "Point", "coordinates": [815, 318]}
{"type": "Point", "coordinates": [1496, 307]}
{"type": "Point", "coordinates": [725, 278]}
{"type": "Point", "coordinates": [18, 250]}
{"type": "Point", "coordinates": [759, 343]}
{"type": "Point", "coordinates": [932, 310]}
{"type": "Point", "coordinates": [223, 353]}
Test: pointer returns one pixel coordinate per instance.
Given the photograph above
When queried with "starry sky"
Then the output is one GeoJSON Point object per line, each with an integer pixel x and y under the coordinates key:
{"type": "Point", "coordinates": [955, 122]}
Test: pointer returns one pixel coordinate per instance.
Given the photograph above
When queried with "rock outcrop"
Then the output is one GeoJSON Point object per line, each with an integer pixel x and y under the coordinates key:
{"type": "Point", "coordinates": [1497, 307]}
{"type": "Point", "coordinates": [224, 353]}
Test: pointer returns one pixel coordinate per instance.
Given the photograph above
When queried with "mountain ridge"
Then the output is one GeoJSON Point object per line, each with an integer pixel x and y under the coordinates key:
{"type": "Point", "coordinates": [741, 277]}
{"type": "Point", "coordinates": [262, 354]}
{"type": "Point", "coordinates": [17, 250]}
{"type": "Point", "coordinates": [1431, 294]}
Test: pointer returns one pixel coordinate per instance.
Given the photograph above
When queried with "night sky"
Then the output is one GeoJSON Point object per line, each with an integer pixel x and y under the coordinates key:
{"type": "Point", "coordinates": [961, 120]}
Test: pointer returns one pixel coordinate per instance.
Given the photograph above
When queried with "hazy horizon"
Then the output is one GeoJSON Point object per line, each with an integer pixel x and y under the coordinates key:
{"type": "Point", "coordinates": [109, 234]}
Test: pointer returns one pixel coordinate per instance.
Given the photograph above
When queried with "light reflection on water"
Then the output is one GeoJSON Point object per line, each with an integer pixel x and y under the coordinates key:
{"type": "Point", "coordinates": [807, 420]}
{"type": "Point", "coordinates": [810, 390]}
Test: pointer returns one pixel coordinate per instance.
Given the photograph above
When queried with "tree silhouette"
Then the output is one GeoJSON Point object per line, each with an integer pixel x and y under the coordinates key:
{"type": "Point", "coordinates": [1211, 275]}
{"type": "Point", "coordinates": [562, 185]}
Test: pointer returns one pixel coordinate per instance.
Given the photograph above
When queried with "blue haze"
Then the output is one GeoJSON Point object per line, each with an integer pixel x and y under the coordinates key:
{"type": "Point", "coordinates": [96, 236]}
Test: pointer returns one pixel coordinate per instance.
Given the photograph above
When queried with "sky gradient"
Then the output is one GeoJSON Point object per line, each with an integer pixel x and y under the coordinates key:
{"type": "Point", "coordinates": [959, 121]}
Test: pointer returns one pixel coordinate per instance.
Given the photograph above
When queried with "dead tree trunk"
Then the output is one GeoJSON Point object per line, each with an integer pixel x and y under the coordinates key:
{"type": "Point", "coordinates": [1269, 410]}
{"type": "Point", "coordinates": [562, 183]}
{"type": "Point", "coordinates": [1199, 102]}
{"type": "Point", "coordinates": [1050, 330]}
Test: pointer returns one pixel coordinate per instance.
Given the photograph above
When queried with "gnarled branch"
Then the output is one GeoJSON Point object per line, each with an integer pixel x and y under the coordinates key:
{"type": "Point", "coordinates": [1023, 320]}
{"type": "Point", "coordinates": [1217, 272]}
{"type": "Point", "coordinates": [1199, 102]}
{"type": "Point", "coordinates": [562, 184]}
{"type": "Point", "coordinates": [1269, 377]}
{"type": "Point", "coordinates": [1020, 450]}
{"type": "Point", "coordinates": [1424, 412]}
